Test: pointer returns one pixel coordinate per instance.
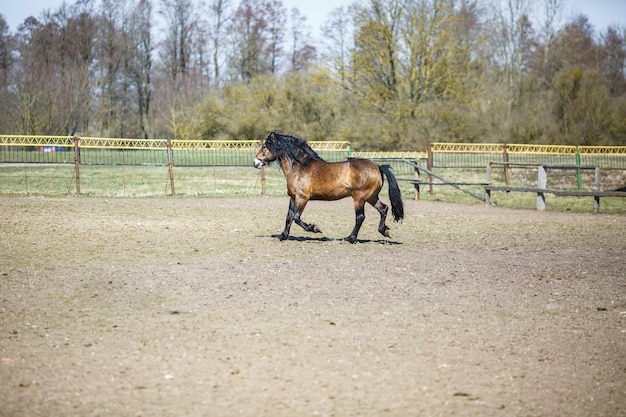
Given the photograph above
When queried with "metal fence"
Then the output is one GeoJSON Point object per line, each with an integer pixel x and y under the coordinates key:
{"type": "Point", "coordinates": [53, 164]}
{"type": "Point", "coordinates": [143, 152]}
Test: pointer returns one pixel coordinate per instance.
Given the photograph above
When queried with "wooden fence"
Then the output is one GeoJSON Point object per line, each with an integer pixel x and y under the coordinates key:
{"type": "Point", "coordinates": [478, 155]}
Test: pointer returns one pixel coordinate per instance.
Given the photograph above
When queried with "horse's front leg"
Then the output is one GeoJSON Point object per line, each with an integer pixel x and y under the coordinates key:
{"type": "Point", "coordinates": [309, 227]}
{"type": "Point", "coordinates": [296, 207]}
{"type": "Point", "coordinates": [290, 216]}
{"type": "Point", "coordinates": [300, 204]}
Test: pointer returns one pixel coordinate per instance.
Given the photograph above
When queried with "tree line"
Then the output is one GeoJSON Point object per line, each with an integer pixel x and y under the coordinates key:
{"type": "Point", "coordinates": [388, 74]}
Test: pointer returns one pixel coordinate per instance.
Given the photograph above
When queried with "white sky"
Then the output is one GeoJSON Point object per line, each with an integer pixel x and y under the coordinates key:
{"type": "Point", "coordinates": [601, 13]}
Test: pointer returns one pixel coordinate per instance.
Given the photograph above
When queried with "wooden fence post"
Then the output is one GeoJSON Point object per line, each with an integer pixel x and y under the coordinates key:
{"type": "Point", "coordinates": [578, 174]}
{"type": "Point", "coordinates": [488, 182]}
{"type": "Point", "coordinates": [596, 187]}
{"type": "Point", "coordinates": [542, 181]}
{"type": "Point", "coordinates": [429, 165]}
{"type": "Point", "coordinates": [170, 165]}
{"type": "Point", "coordinates": [77, 163]}
{"type": "Point", "coordinates": [505, 158]}
{"type": "Point", "coordinates": [416, 176]}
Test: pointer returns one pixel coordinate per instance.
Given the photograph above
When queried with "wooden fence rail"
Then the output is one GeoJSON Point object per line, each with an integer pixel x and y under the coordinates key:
{"type": "Point", "coordinates": [542, 184]}
{"type": "Point", "coordinates": [477, 155]}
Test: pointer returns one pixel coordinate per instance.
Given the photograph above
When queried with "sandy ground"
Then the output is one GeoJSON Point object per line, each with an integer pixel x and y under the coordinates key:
{"type": "Point", "coordinates": [190, 307]}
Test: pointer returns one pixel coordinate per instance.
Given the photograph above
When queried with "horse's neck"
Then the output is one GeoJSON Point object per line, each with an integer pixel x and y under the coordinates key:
{"type": "Point", "coordinates": [291, 167]}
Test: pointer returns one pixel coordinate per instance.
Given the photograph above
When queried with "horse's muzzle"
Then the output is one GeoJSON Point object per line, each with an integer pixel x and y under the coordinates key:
{"type": "Point", "coordinates": [258, 163]}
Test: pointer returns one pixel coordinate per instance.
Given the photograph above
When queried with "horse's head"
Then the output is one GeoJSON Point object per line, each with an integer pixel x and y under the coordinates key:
{"type": "Point", "coordinates": [268, 152]}
{"type": "Point", "coordinates": [284, 147]}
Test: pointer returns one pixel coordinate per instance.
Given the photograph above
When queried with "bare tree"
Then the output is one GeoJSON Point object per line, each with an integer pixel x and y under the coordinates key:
{"type": "Point", "coordinates": [275, 17]}
{"type": "Point", "coordinates": [109, 71]}
{"type": "Point", "coordinates": [553, 10]}
{"type": "Point", "coordinates": [340, 46]}
{"type": "Point", "coordinates": [301, 54]}
{"type": "Point", "coordinates": [219, 15]}
{"type": "Point", "coordinates": [180, 25]}
{"type": "Point", "coordinates": [614, 60]}
{"type": "Point", "coordinates": [142, 65]}
{"type": "Point", "coordinates": [53, 82]}
{"type": "Point", "coordinates": [7, 46]}
{"type": "Point", "coordinates": [124, 71]}
{"type": "Point", "coordinates": [250, 40]}
{"type": "Point", "coordinates": [514, 38]}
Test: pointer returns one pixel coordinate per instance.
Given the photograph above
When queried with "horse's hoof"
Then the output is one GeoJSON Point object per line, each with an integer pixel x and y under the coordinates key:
{"type": "Point", "coordinates": [316, 229]}
{"type": "Point", "coordinates": [350, 239]}
{"type": "Point", "coordinates": [386, 232]}
{"type": "Point", "coordinates": [283, 237]}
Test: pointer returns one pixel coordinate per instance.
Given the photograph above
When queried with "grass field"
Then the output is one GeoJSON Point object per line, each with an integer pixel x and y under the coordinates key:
{"type": "Point", "coordinates": [218, 181]}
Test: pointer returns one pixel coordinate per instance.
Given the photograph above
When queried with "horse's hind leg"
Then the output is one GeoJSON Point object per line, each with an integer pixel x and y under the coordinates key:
{"type": "Point", "coordinates": [382, 209]}
{"type": "Point", "coordinates": [359, 211]}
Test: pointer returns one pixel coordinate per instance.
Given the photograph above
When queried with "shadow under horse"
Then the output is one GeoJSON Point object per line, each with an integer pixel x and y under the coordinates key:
{"type": "Point", "coordinates": [309, 177]}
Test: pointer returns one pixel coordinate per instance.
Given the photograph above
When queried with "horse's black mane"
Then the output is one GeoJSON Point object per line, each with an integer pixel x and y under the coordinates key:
{"type": "Point", "coordinates": [292, 147]}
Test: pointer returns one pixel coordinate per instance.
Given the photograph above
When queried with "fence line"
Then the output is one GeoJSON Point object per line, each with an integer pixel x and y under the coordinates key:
{"type": "Point", "coordinates": [88, 152]}
{"type": "Point", "coordinates": [478, 155]}
{"type": "Point", "coordinates": [120, 144]}
{"type": "Point", "coordinates": [112, 151]}
{"type": "Point", "coordinates": [15, 148]}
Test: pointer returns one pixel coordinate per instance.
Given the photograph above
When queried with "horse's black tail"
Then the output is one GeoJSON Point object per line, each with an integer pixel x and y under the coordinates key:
{"type": "Point", "coordinates": [397, 207]}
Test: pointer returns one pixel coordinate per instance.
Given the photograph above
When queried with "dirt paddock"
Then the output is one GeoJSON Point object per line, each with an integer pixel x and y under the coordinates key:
{"type": "Point", "coordinates": [189, 307]}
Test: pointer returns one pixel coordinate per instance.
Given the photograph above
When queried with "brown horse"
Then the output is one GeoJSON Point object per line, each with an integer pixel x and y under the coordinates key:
{"type": "Point", "coordinates": [309, 177]}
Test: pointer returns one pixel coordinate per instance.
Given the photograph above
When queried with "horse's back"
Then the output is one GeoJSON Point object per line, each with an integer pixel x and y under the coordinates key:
{"type": "Point", "coordinates": [363, 164]}
{"type": "Point", "coordinates": [365, 168]}
{"type": "Point", "coordinates": [365, 175]}
{"type": "Point", "coordinates": [357, 170]}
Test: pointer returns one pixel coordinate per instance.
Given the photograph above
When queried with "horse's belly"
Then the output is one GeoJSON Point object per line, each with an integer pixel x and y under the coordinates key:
{"type": "Point", "coordinates": [332, 195]}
